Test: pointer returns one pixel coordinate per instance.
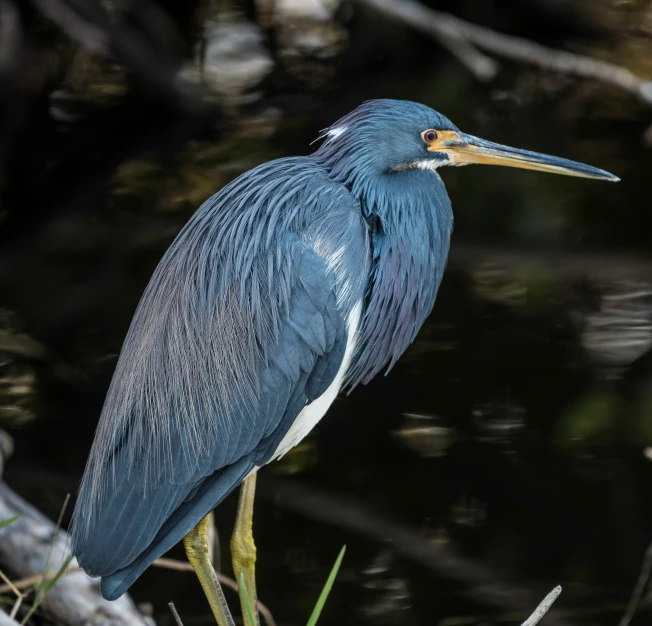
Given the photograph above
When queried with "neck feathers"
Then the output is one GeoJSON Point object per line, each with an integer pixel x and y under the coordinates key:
{"type": "Point", "coordinates": [410, 220]}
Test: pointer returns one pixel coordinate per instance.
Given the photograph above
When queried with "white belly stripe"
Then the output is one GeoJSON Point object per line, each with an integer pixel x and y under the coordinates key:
{"type": "Point", "coordinates": [313, 412]}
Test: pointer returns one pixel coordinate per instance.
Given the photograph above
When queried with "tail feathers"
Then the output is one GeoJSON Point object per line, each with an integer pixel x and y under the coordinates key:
{"type": "Point", "coordinates": [212, 491]}
{"type": "Point", "coordinates": [125, 524]}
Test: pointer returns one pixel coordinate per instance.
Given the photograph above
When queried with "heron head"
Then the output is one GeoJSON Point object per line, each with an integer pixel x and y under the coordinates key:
{"type": "Point", "coordinates": [396, 135]}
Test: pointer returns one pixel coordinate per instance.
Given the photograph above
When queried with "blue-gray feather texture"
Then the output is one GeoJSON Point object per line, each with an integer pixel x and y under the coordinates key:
{"type": "Point", "coordinates": [409, 217]}
{"type": "Point", "coordinates": [244, 322]}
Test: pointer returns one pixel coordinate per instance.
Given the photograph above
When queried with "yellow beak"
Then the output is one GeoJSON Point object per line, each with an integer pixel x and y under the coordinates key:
{"type": "Point", "coordinates": [463, 149]}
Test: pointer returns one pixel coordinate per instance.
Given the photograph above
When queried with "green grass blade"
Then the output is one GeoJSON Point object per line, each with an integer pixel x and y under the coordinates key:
{"type": "Point", "coordinates": [323, 596]}
{"type": "Point", "coordinates": [53, 581]}
{"type": "Point", "coordinates": [44, 587]}
{"type": "Point", "coordinates": [54, 535]}
{"type": "Point", "coordinates": [9, 520]}
{"type": "Point", "coordinates": [251, 620]}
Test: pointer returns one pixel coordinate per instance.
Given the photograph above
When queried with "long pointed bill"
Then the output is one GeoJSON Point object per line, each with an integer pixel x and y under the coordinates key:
{"type": "Point", "coordinates": [463, 149]}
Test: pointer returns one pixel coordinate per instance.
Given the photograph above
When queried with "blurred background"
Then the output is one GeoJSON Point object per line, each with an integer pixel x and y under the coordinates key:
{"type": "Point", "coordinates": [510, 450]}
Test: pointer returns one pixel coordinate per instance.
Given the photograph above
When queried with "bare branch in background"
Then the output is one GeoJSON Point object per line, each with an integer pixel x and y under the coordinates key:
{"type": "Point", "coordinates": [639, 588]}
{"type": "Point", "coordinates": [429, 22]}
{"type": "Point", "coordinates": [439, 25]}
{"type": "Point", "coordinates": [484, 67]}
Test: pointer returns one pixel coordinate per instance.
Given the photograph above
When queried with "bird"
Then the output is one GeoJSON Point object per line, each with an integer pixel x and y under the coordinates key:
{"type": "Point", "coordinates": [303, 277]}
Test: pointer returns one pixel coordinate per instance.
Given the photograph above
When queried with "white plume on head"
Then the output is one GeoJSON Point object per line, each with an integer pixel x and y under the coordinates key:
{"type": "Point", "coordinates": [331, 133]}
{"type": "Point", "coordinates": [334, 133]}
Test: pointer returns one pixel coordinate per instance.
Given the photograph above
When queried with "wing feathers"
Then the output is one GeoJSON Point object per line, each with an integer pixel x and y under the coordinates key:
{"type": "Point", "coordinates": [242, 324]}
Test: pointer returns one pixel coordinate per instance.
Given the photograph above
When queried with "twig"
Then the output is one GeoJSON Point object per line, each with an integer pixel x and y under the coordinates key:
{"type": "Point", "coordinates": [17, 605]}
{"type": "Point", "coordinates": [639, 589]}
{"type": "Point", "coordinates": [515, 48]}
{"type": "Point", "coordinates": [19, 596]}
{"type": "Point", "coordinates": [30, 581]}
{"type": "Point", "coordinates": [9, 586]}
{"type": "Point", "coordinates": [175, 614]}
{"type": "Point", "coordinates": [44, 587]}
{"type": "Point", "coordinates": [57, 527]}
{"type": "Point", "coordinates": [183, 566]}
{"type": "Point", "coordinates": [543, 608]}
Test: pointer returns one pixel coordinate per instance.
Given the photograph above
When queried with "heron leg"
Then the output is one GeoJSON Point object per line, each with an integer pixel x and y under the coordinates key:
{"type": "Point", "coordinates": [243, 548]}
{"type": "Point", "coordinates": [196, 545]}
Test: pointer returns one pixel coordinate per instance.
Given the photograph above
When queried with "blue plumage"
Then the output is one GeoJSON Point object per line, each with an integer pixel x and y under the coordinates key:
{"type": "Point", "coordinates": [246, 322]}
{"type": "Point", "coordinates": [301, 276]}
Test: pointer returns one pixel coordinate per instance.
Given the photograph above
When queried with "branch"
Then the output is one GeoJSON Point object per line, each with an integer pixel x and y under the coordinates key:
{"type": "Point", "coordinates": [639, 589]}
{"type": "Point", "coordinates": [26, 546]}
{"type": "Point", "coordinates": [543, 608]}
{"type": "Point", "coordinates": [430, 23]}
{"type": "Point", "coordinates": [175, 614]}
{"type": "Point", "coordinates": [437, 24]}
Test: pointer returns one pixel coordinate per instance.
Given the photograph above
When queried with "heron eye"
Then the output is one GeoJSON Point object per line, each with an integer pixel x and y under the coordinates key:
{"type": "Point", "coordinates": [429, 135]}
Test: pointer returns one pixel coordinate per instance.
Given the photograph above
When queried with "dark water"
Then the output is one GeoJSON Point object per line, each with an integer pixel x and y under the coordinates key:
{"type": "Point", "coordinates": [512, 443]}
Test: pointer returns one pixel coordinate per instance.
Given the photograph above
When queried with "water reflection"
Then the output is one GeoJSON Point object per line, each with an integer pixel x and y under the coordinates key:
{"type": "Point", "coordinates": [308, 36]}
{"type": "Point", "coordinates": [499, 424]}
{"type": "Point", "coordinates": [18, 380]}
{"type": "Point", "coordinates": [427, 435]}
{"type": "Point", "coordinates": [496, 283]}
{"type": "Point", "coordinates": [619, 329]}
{"type": "Point", "coordinates": [390, 595]}
{"type": "Point", "coordinates": [231, 59]}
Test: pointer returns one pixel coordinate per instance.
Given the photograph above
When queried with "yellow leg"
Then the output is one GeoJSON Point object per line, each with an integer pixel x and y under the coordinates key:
{"type": "Point", "coordinates": [196, 545]}
{"type": "Point", "coordinates": [243, 549]}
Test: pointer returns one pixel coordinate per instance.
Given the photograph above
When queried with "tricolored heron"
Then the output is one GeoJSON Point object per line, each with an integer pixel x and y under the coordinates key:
{"type": "Point", "coordinates": [302, 277]}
